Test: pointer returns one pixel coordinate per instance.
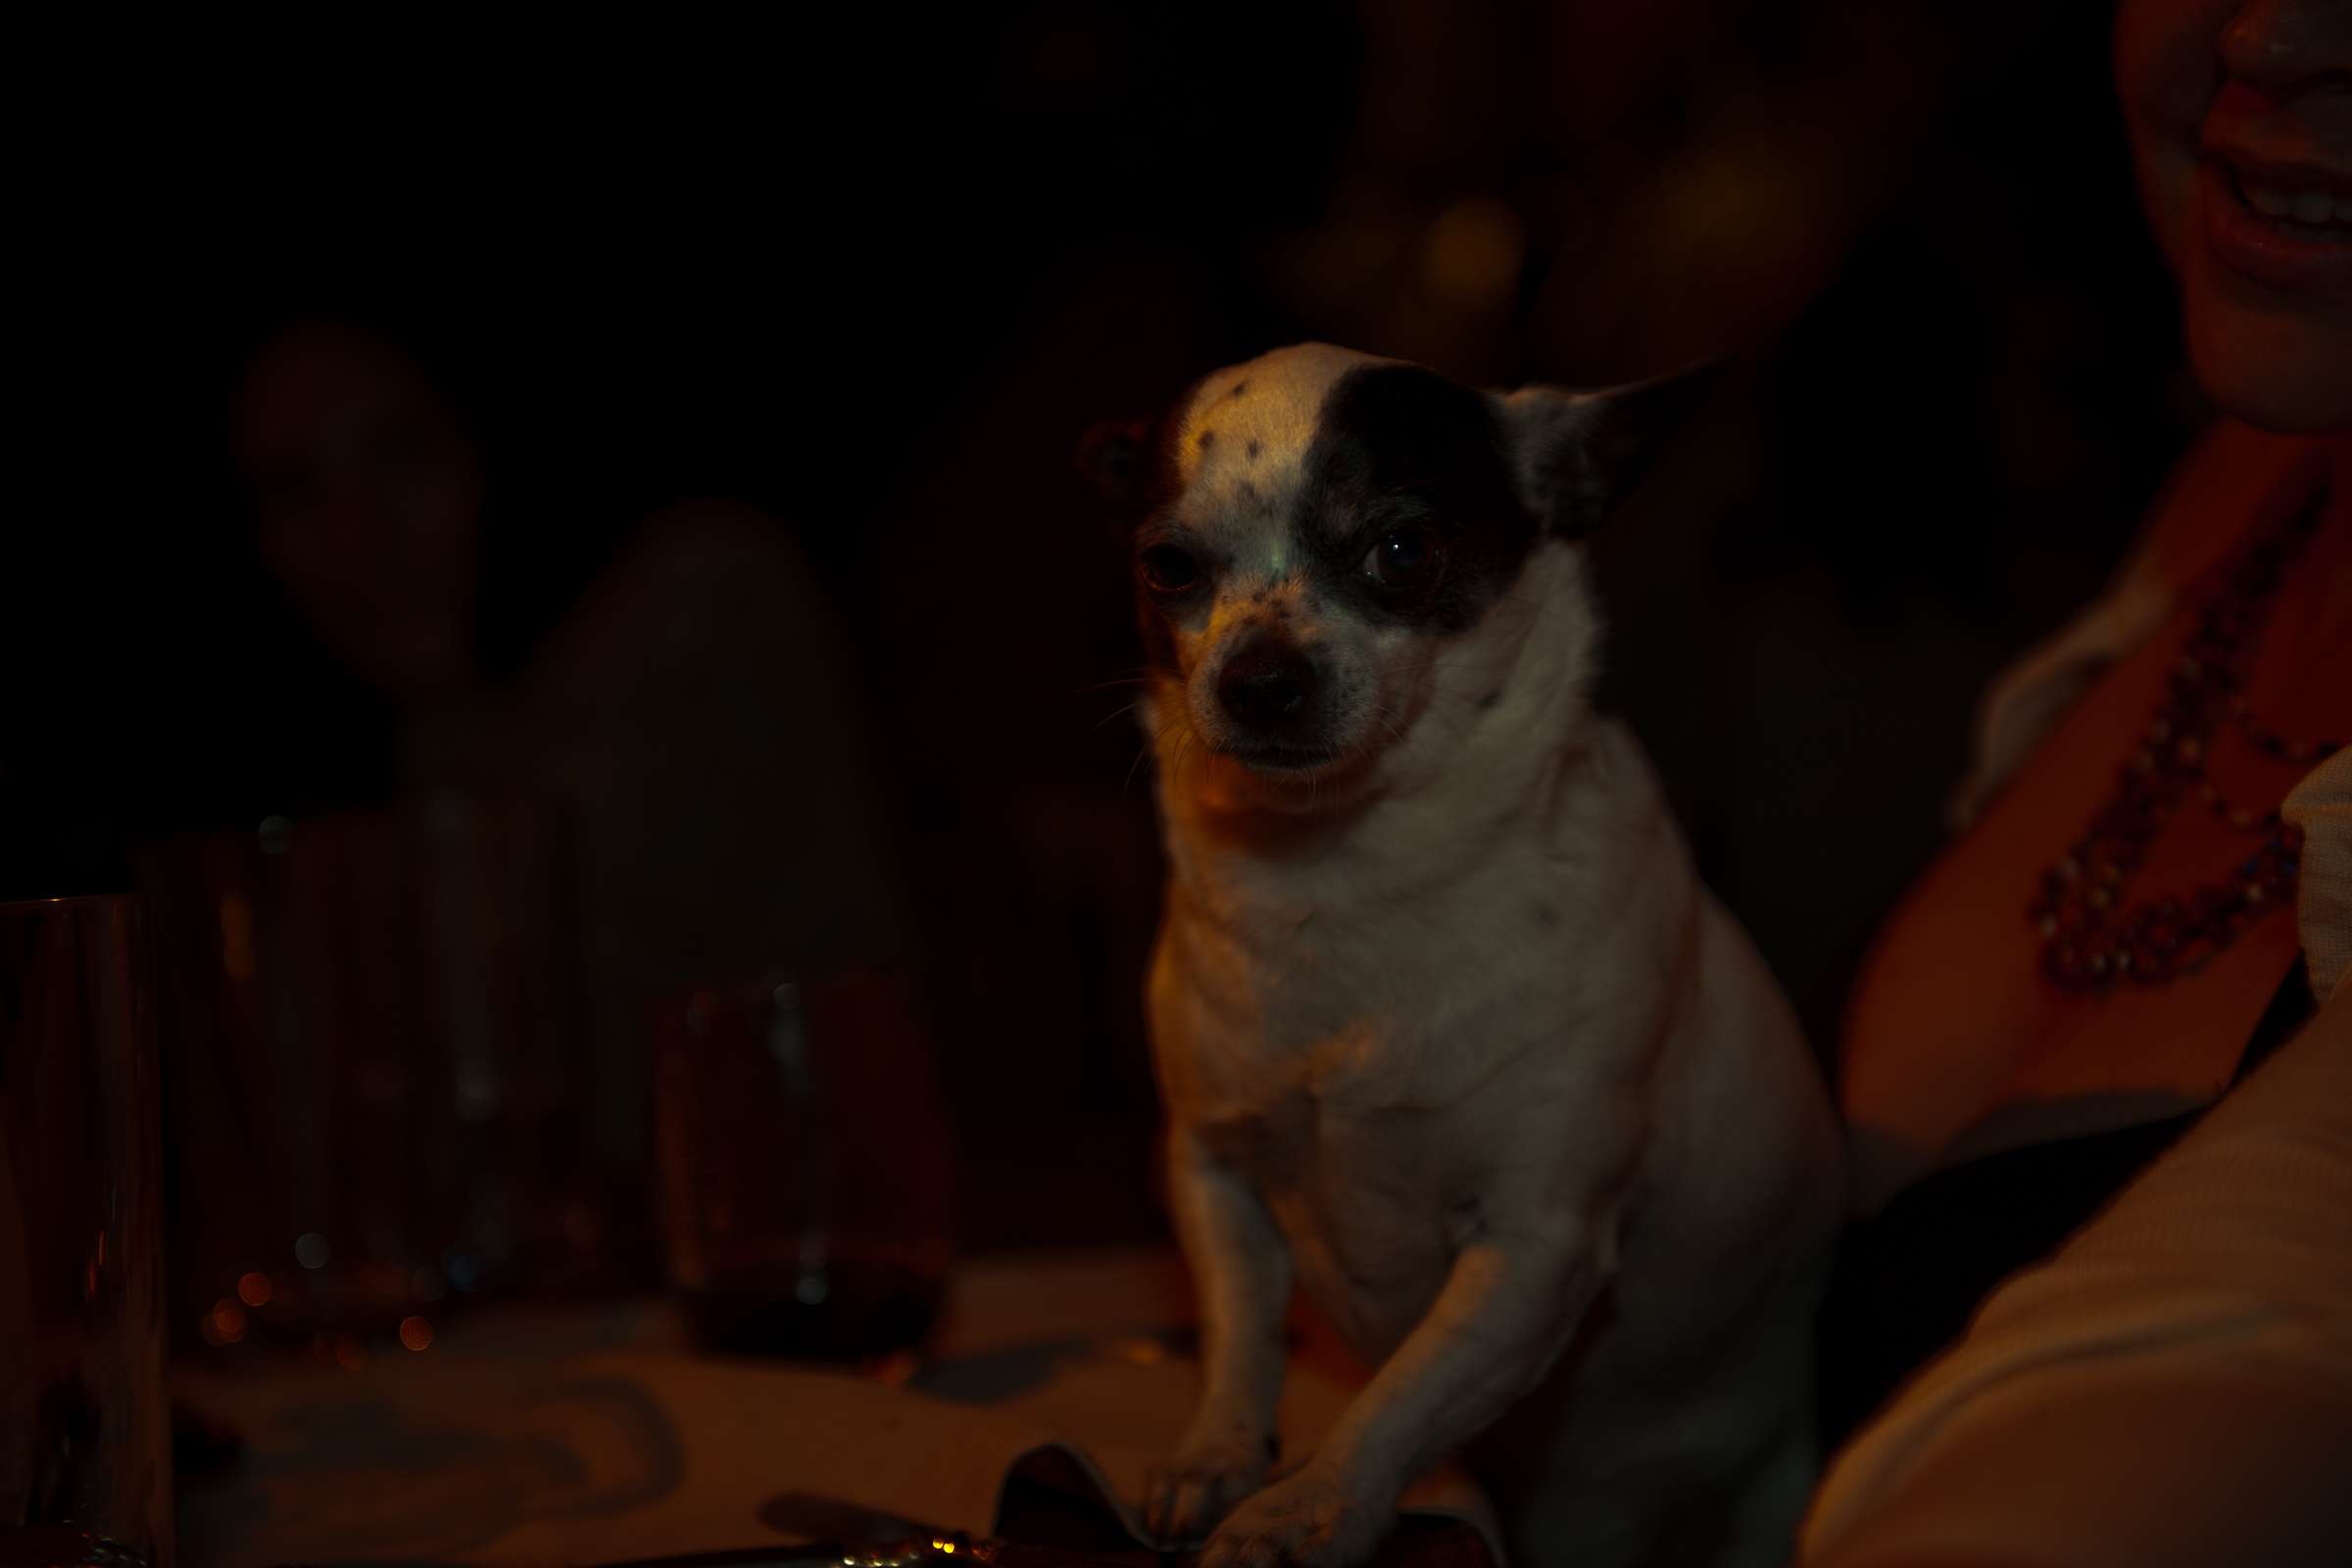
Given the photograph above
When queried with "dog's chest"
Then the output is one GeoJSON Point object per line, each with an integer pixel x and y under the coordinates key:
{"type": "Point", "coordinates": [1372, 1191]}
{"type": "Point", "coordinates": [1389, 1044]}
{"type": "Point", "coordinates": [1359, 1092]}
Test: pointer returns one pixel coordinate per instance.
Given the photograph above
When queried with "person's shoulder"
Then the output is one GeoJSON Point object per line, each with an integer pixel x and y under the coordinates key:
{"type": "Point", "coordinates": [706, 596]}
{"type": "Point", "coordinates": [2233, 477]}
{"type": "Point", "coordinates": [706, 550]}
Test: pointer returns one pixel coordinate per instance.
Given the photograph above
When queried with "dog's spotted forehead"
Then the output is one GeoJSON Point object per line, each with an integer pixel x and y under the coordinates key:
{"type": "Point", "coordinates": [1284, 473]}
{"type": "Point", "coordinates": [1243, 444]}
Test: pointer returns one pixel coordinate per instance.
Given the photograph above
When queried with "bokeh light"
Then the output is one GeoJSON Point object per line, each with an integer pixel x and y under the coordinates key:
{"type": "Point", "coordinates": [1473, 253]}
{"type": "Point", "coordinates": [227, 1322]}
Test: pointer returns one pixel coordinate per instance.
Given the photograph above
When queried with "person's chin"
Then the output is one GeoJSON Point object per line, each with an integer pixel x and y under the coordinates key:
{"type": "Point", "coordinates": [2267, 364]}
{"type": "Point", "coordinates": [2268, 314]}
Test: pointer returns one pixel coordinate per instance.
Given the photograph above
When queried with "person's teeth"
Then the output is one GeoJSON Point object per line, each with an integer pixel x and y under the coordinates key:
{"type": "Point", "coordinates": [2310, 208]}
{"type": "Point", "coordinates": [2268, 202]}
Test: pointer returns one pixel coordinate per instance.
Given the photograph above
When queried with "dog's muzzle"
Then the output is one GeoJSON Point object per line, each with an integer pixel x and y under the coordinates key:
{"type": "Point", "coordinates": [1272, 695]}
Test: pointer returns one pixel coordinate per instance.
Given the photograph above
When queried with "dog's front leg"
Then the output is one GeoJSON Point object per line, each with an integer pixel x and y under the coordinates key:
{"type": "Point", "coordinates": [1241, 1272]}
{"type": "Point", "coordinates": [1507, 1310]}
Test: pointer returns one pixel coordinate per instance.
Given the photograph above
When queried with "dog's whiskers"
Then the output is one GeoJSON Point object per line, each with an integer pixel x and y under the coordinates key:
{"type": "Point", "coordinates": [1140, 679]}
{"type": "Point", "coordinates": [1118, 713]}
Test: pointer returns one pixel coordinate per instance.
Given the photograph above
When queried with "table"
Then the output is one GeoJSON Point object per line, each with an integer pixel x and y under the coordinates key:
{"type": "Point", "coordinates": [596, 1434]}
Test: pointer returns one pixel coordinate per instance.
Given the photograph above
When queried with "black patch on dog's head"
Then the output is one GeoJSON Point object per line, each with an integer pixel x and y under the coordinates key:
{"type": "Point", "coordinates": [1397, 447]}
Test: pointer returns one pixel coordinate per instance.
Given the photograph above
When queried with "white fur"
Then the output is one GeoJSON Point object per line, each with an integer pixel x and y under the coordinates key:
{"type": "Point", "coordinates": [1451, 1035]}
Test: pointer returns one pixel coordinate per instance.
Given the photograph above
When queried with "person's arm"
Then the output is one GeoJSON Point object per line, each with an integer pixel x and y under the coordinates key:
{"type": "Point", "coordinates": [2173, 1387]}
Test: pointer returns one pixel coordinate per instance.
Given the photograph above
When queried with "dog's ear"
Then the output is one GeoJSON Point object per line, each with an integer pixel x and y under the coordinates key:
{"type": "Point", "coordinates": [1111, 456]}
{"type": "Point", "coordinates": [1576, 454]}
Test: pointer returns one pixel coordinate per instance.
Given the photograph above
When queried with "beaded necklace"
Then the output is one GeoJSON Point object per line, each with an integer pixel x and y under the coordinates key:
{"type": "Point", "coordinates": [2092, 941]}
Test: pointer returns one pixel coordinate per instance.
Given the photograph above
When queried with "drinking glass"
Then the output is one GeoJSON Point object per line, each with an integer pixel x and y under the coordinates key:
{"type": "Point", "coordinates": [806, 1170]}
{"type": "Point", "coordinates": [86, 1432]}
{"type": "Point", "coordinates": [377, 1109]}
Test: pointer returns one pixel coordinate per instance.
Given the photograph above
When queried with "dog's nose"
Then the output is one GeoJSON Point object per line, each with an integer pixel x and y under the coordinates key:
{"type": "Point", "coordinates": [1267, 681]}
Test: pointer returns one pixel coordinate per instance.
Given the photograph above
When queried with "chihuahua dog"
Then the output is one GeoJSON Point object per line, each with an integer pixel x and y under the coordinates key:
{"type": "Point", "coordinates": [1446, 1029]}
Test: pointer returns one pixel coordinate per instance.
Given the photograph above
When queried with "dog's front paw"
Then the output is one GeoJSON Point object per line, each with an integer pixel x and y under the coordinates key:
{"type": "Point", "coordinates": [1312, 1519]}
{"type": "Point", "coordinates": [1184, 1498]}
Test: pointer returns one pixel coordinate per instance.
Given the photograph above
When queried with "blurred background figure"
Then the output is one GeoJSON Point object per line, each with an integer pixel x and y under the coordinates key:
{"type": "Point", "coordinates": [1902, 229]}
{"type": "Point", "coordinates": [413, 1034]}
{"type": "Point", "coordinates": [367, 500]}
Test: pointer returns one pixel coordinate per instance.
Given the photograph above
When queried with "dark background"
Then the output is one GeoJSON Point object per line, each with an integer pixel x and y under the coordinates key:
{"type": "Point", "coordinates": [875, 279]}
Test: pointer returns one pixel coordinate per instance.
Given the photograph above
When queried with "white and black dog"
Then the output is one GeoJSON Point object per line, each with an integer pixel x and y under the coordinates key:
{"type": "Point", "coordinates": [1445, 1026]}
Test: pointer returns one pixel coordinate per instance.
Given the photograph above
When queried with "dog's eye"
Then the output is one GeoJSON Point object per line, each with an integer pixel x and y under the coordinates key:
{"type": "Point", "coordinates": [1407, 558]}
{"type": "Point", "coordinates": [1166, 569]}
